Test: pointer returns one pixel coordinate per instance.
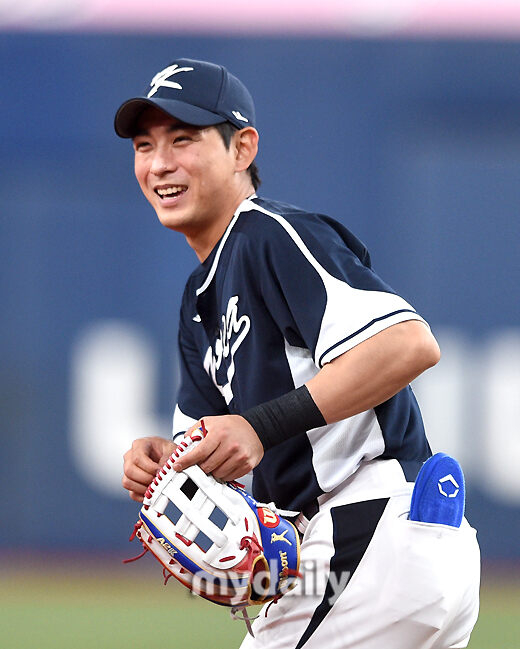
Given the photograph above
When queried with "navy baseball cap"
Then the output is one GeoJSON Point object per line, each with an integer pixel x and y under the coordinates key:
{"type": "Point", "coordinates": [194, 92]}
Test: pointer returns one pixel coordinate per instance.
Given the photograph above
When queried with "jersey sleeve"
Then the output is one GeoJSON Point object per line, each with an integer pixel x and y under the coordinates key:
{"type": "Point", "coordinates": [324, 295]}
{"type": "Point", "coordinates": [197, 396]}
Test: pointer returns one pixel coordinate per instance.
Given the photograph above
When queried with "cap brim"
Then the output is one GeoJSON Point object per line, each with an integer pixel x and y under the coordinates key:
{"type": "Point", "coordinates": [125, 122]}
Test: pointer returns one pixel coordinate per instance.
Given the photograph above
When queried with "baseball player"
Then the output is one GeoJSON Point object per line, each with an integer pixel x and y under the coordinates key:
{"type": "Point", "coordinates": [298, 357]}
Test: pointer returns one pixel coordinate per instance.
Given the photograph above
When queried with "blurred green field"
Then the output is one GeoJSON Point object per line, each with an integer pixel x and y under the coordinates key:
{"type": "Point", "coordinates": [100, 604]}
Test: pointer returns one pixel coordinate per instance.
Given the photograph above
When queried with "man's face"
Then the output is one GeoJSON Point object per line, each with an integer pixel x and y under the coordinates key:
{"type": "Point", "coordinates": [186, 173]}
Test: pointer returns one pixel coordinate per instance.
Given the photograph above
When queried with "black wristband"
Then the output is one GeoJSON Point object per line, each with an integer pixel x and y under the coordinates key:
{"type": "Point", "coordinates": [280, 419]}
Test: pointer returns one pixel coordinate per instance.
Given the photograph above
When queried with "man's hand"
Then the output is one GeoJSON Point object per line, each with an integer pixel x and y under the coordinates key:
{"type": "Point", "coordinates": [142, 462]}
{"type": "Point", "coordinates": [230, 449]}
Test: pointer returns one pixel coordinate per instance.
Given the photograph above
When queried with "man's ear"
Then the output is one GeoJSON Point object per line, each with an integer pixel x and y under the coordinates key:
{"type": "Point", "coordinates": [246, 147]}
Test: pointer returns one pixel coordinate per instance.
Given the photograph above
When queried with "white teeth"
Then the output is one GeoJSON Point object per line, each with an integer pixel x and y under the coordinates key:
{"type": "Point", "coordinates": [170, 191]}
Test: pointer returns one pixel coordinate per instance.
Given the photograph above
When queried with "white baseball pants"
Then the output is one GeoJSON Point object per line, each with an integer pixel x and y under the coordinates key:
{"type": "Point", "coordinates": [373, 579]}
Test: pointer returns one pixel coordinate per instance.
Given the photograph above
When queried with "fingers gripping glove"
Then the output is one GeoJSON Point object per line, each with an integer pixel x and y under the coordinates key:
{"type": "Point", "coordinates": [215, 538]}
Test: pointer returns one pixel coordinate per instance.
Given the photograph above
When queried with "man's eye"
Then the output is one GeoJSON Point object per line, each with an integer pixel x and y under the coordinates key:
{"type": "Point", "coordinates": [140, 146]}
{"type": "Point", "coordinates": [181, 138]}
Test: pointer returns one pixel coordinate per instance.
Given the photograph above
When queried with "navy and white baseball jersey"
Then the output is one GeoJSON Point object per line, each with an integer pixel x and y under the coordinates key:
{"type": "Point", "coordinates": [283, 293]}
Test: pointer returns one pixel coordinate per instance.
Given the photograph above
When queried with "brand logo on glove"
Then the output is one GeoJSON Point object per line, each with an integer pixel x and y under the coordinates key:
{"type": "Point", "coordinates": [284, 573]}
{"type": "Point", "coordinates": [169, 549]}
{"type": "Point", "coordinates": [280, 537]}
{"type": "Point", "coordinates": [267, 517]}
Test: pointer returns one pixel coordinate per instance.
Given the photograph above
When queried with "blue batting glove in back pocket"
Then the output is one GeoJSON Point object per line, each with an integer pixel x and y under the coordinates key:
{"type": "Point", "coordinates": [439, 492]}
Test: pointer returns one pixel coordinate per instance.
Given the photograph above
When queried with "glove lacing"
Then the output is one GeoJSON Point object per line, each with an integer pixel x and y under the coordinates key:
{"type": "Point", "coordinates": [250, 544]}
{"type": "Point", "coordinates": [244, 617]}
{"type": "Point", "coordinates": [135, 533]}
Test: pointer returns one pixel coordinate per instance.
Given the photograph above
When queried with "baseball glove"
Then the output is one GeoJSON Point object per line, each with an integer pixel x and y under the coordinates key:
{"type": "Point", "coordinates": [215, 538]}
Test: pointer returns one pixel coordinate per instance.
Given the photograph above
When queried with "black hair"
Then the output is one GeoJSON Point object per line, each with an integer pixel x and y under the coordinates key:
{"type": "Point", "coordinates": [227, 130]}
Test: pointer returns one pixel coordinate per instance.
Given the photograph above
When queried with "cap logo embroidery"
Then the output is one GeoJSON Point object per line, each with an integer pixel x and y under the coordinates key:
{"type": "Point", "coordinates": [161, 79]}
{"type": "Point", "coordinates": [239, 116]}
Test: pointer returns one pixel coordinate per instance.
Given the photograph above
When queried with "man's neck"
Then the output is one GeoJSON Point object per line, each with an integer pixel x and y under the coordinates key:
{"type": "Point", "coordinates": [203, 243]}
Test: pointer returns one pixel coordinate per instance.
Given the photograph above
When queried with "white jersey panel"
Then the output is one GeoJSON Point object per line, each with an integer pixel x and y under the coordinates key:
{"type": "Point", "coordinates": [301, 364]}
{"type": "Point", "coordinates": [365, 309]}
{"type": "Point", "coordinates": [339, 449]}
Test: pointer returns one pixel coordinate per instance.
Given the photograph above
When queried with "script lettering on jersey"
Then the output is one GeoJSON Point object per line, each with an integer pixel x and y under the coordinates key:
{"type": "Point", "coordinates": [231, 335]}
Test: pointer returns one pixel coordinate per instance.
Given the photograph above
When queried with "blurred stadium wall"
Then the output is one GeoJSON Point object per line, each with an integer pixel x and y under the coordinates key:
{"type": "Point", "coordinates": [402, 122]}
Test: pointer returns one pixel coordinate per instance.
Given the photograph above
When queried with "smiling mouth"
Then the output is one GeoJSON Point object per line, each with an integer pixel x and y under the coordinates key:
{"type": "Point", "coordinates": [171, 191]}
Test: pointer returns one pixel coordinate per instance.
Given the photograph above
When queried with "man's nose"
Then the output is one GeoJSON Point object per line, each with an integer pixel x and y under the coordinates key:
{"type": "Point", "coordinates": [163, 162]}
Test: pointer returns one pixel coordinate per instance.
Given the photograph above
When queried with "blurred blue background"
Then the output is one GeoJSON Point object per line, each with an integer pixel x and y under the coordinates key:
{"type": "Point", "coordinates": [413, 143]}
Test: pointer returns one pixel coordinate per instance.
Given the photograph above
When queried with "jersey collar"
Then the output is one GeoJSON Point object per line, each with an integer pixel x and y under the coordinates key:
{"type": "Point", "coordinates": [245, 206]}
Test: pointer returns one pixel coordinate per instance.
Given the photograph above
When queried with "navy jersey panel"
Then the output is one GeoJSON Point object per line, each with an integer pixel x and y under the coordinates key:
{"type": "Point", "coordinates": [319, 273]}
{"type": "Point", "coordinates": [282, 293]}
{"type": "Point", "coordinates": [292, 288]}
{"type": "Point", "coordinates": [198, 395]}
{"type": "Point", "coordinates": [337, 249]}
{"type": "Point", "coordinates": [403, 430]}
{"type": "Point", "coordinates": [245, 340]}
{"type": "Point", "coordinates": [286, 476]}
